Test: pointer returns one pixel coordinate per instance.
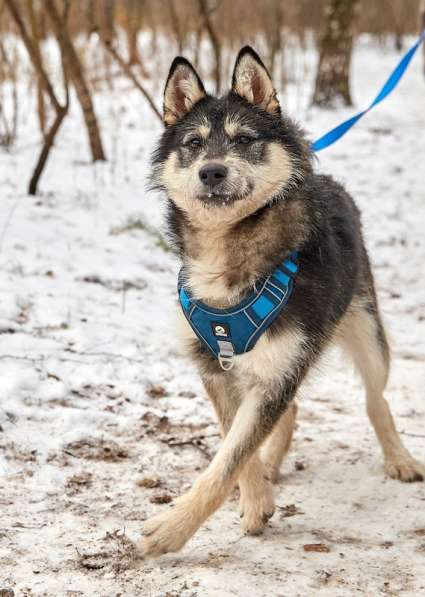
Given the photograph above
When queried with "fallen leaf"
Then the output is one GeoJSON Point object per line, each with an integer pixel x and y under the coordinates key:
{"type": "Point", "coordinates": [161, 498]}
{"type": "Point", "coordinates": [157, 391]}
{"type": "Point", "coordinates": [316, 547]}
{"type": "Point", "coordinates": [149, 482]}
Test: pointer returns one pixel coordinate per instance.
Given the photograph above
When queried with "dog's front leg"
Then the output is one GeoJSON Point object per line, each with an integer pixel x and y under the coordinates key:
{"type": "Point", "coordinates": [256, 503]}
{"type": "Point", "coordinates": [258, 412]}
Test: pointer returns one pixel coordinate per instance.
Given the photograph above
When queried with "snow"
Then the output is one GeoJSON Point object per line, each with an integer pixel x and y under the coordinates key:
{"type": "Point", "coordinates": [94, 390]}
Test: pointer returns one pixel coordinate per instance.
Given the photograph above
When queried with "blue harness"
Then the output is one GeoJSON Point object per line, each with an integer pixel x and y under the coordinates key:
{"type": "Point", "coordinates": [233, 331]}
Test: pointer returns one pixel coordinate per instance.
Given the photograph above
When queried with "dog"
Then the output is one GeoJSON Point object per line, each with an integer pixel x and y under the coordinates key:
{"type": "Point", "coordinates": [242, 195]}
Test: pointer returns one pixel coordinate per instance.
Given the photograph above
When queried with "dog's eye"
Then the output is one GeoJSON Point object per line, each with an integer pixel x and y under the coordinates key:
{"type": "Point", "coordinates": [243, 140]}
{"type": "Point", "coordinates": [193, 142]}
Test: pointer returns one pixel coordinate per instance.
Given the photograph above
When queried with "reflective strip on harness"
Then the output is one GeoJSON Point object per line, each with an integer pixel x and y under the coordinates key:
{"type": "Point", "coordinates": [263, 306]}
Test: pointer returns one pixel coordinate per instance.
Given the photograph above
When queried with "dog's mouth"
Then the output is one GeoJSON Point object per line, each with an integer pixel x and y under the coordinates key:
{"type": "Point", "coordinates": [221, 198]}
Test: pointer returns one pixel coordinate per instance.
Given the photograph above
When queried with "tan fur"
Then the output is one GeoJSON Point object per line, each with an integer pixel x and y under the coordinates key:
{"type": "Point", "coordinates": [217, 258]}
{"type": "Point", "coordinates": [357, 335]}
{"type": "Point", "coordinates": [181, 94]}
{"type": "Point", "coordinates": [272, 358]}
{"type": "Point", "coordinates": [169, 117]}
{"type": "Point", "coordinates": [170, 530]}
{"type": "Point", "coordinates": [203, 130]}
{"type": "Point", "coordinates": [256, 504]}
{"type": "Point", "coordinates": [278, 443]}
{"type": "Point", "coordinates": [233, 126]}
{"type": "Point", "coordinates": [184, 187]}
{"type": "Point", "coordinates": [206, 271]}
{"type": "Point", "coordinates": [225, 399]}
{"type": "Point", "coordinates": [207, 264]}
{"type": "Point", "coordinates": [254, 84]}
{"type": "Point", "coordinates": [183, 330]}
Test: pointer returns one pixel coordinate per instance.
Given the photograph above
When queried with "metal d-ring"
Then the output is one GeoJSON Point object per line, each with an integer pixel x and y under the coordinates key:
{"type": "Point", "coordinates": [226, 355]}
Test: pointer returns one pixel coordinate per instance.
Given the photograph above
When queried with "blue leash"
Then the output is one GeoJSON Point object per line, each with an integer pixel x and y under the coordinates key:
{"type": "Point", "coordinates": [392, 81]}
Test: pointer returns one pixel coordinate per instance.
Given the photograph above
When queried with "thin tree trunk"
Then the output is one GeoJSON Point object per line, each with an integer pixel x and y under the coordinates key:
{"type": "Point", "coordinates": [33, 54]}
{"type": "Point", "coordinates": [107, 21]}
{"type": "Point", "coordinates": [91, 20]}
{"type": "Point", "coordinates": [9, 129]}
{"type": "Point", "coordinates": [332, 79]}
{"type": "Point", "coordinates": [48, 144]}
{"type": "Point", "coordinates": [134, 13]}
{"type": "Point", "coordinates": [215, 42]}
{"type": "Point", "coordinates": [394, 8]}
{"type": "Point", "coordinates": [75, 71]}
{"type": "Point", "coordinates": [276, 33]}
{"type": "Point", "coordinates": [60, 110]}
{"type": "Point", "coordinates": [175, 25]}
{"type": "Point", "coordinates": [422, 21]}
{"type": "Point", "coordinates": [35, 32]}
{"type": "Point", "coordinates": [133, 51]}
{"type": "Point", "coordinates": [198, 42]}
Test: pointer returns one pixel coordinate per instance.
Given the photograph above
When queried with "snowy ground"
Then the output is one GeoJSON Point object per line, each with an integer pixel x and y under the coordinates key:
{"type": "Point", "coordinates": [97, 404]}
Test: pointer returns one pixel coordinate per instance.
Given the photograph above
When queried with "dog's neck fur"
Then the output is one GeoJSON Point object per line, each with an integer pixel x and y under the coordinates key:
{"type": "Point", "coordinates": [223, 262]}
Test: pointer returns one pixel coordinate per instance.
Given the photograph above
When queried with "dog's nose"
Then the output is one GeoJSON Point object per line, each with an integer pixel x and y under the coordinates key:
{"type": "Point", "coordinates": [212, 174]}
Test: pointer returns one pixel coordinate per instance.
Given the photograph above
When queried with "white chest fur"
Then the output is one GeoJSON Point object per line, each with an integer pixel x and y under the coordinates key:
{"type": "Point", "coordinates": [206, 272]}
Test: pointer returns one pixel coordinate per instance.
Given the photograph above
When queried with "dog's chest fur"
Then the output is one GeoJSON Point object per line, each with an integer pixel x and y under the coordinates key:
{"type": "Point", "coordinates": [208, 269]}
{"type": "Point", "coordinates": [222, 263]}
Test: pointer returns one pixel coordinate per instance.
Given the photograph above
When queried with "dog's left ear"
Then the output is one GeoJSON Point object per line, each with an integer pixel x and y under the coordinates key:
{"type": "Point", "coordinates": [251, 80]}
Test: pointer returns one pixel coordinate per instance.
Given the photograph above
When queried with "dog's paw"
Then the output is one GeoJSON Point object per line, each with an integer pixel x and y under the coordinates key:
{"type": "Point", "coordinates": [405, 469]}
{"type": "Point", "coordinates": [256, 512]}
{"type": "Point", "coordinates": [166, 532]}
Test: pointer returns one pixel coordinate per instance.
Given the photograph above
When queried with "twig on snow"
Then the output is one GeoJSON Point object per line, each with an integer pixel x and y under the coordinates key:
{"type": "Point", "coordinates": [421, 435]}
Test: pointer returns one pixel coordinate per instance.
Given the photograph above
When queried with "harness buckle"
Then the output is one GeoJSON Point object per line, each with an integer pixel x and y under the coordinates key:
{"type": "Point", "coordinates": [226, 355]}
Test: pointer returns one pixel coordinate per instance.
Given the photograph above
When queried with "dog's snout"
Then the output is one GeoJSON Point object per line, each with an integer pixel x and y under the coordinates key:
{"type": "Point", "coordinates": [212, 174]}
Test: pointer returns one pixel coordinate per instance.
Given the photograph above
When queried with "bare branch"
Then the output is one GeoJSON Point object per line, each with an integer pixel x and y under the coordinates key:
{"type": "Point", "coordinates": [126, 68]}
{"type": "Point", "coordinates": [75, 70]}
{"type": "Point", "coordinates": [61, 110]}
{"type": "Point", "coordinates": [33, 53]}
{"type": "Point", "coordinates": [206, 11]}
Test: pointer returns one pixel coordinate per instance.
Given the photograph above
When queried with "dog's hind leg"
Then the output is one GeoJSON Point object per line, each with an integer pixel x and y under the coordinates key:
{"type": "Point", "coordinates": [278, 443]}
{"type": "Point", "coordinates": [256, 504]}
{"type": "Point", "coordinates": [362, 335]}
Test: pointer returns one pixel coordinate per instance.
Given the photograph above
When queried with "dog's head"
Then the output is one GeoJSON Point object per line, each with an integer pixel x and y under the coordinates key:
{"type": "Point", "coordinates": [221, 159]}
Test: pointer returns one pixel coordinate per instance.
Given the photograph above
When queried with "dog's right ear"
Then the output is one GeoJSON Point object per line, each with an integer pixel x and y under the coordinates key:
{"type": "Point", "coordinates": [183, 90]}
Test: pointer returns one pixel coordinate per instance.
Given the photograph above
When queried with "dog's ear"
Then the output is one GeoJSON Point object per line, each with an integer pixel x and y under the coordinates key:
{"type": "Point", "coordinates": [251, 80]}
{"type": "Point", "coordinates": [183, 90]}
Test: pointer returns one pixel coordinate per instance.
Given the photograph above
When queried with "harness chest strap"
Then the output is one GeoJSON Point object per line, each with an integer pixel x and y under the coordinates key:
{"type": "Point", "coordinates": [233, 331]}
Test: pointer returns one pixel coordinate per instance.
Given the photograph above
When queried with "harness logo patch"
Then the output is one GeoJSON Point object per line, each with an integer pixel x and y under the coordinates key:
{"type": "Point", "coordinates": [220, 330]}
